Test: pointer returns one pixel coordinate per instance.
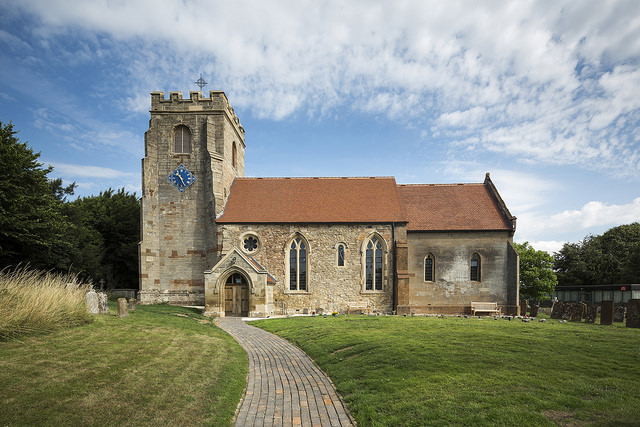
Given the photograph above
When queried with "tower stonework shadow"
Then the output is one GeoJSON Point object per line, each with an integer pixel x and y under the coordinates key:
{"type": "Point", "coordinates": [194, 148]}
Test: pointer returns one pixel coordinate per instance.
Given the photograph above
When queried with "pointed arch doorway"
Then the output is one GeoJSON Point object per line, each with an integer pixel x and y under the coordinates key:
{"type": "Point", "coordinates": [236, 296]}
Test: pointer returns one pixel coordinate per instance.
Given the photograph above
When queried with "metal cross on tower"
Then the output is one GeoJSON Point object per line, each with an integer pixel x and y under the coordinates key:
{"type": "Point", "coordinates": [200, 82]}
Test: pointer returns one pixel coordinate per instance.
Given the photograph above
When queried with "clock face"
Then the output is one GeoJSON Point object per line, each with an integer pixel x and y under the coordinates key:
{"type": "Point", "coordinates": [181, 178]}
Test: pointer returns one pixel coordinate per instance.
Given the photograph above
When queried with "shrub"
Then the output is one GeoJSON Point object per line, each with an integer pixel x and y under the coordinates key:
{"type": "Point", "coordinates": [34, 301]}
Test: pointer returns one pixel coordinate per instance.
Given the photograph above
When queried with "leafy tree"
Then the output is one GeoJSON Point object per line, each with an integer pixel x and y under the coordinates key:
{"type": "Point", "coordinates": [610, 258]}
{"type": "Point", "coordinates": [33, 228]}
{"type": "Point", "coordinates": [537, 278]}
{"type": "Point", "coordinates": [107, 246]}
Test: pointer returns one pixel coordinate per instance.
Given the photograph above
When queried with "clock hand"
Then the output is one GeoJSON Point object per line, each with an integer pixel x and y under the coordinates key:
{"type": "Point", "coordinates": [181, 179]}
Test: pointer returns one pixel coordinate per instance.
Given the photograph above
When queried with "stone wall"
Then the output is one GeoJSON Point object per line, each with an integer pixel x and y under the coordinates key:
{"type": "Point", "coordinates": [452, 290]}
{"type": "Point", "coordinates": [178, 234]}
{"type": "Point", "coordinates": [330, 287]}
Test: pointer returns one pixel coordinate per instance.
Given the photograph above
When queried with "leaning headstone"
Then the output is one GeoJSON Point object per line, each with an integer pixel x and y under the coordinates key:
{"type": "Point", "coordinates": [534, 310]}
{"type": "Point", "coordinates": [606, 313]}
{"type": "Point", "coordinates": [132, 304]}
{"type": "Point", "coordinates": [633, 314]}
{"type": "Point", "coordinates": [592, 314]}
{"type": "Point", "coordinates": [103, 303]}
{"type": "Point", "coordinates": [578, 310]}
{"type": "Point", "coordinates": [91, 301]}
{"type": "Point", "coordinates": [618, 313]}
{"type": "Point", "coordinates": [556, 310]}
{"type": "Point", "coordinates": [123, 310]}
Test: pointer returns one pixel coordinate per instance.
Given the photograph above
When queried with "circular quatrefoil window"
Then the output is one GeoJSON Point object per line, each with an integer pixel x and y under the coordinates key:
{"type": "Point", "coordinates": [250, 244]}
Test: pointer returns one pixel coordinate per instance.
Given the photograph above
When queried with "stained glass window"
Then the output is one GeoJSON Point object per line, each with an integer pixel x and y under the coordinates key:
{"type": "Point", "coordinates": [297, 265]}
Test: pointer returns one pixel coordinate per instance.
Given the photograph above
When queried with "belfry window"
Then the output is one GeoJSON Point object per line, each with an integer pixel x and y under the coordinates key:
{"type": "Point", "coordinates": [429, 268]}
{"type": "Point", "coordinates": [474, 275]}
{"type": "Point", "coordinates": [373, 265]}
{"type": "Point", "coordinates": [340, 255]}
{"type": "Point", "coordinates": [182, 140]}
{"type": "Point", "coordinates": [298, 265]}
{"type": "Point", "coordinates": [234, 155]}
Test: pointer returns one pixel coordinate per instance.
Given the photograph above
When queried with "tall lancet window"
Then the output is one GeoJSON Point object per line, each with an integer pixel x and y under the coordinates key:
{"type": "Point", "coordinates": [475, 268]}
{"type": "Point", "coordinates": [298, 265]}
{"type": "Point", "coordinates": [373, 265]}
{"type": "Point", "coordinates": [182, 140]}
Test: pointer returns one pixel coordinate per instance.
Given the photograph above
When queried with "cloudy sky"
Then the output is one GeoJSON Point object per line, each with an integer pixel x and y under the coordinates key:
{"type": "Point", "coordinates": [544, 95]}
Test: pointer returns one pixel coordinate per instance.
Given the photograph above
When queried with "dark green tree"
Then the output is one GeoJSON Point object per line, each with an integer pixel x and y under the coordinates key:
{"type": "Point", "coordinates": [107, 246]}
{"type": "Point", "coordinates": [610, 258]}
{"type": "Point", "coordinates": [33, 228]}
{"type": "Point", "coordinates": [537, 278]}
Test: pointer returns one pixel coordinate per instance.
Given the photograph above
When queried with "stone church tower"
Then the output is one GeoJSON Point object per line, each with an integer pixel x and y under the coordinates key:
{"type": "Point", "coordinates": [194, 149]}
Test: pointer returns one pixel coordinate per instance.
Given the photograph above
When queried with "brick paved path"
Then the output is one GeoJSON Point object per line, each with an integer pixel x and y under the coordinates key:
{"type": "Point", "coordinates": [284, 388]}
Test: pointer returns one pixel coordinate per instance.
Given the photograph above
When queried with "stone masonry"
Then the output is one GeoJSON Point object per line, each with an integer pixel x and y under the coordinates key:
{"type": "Point", "coordinates": [330, 287]}
{"type": "Point", "coordinates": [179, 239]}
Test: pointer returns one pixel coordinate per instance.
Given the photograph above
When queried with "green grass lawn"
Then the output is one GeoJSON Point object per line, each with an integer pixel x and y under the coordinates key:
{"type": "Point", "coordinates": [162, 365]}
{"type": "Point", "coordinates": [416, 371]}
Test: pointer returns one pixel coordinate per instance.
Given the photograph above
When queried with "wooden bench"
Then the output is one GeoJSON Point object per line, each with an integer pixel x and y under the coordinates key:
{"type": "Point", "coordinates": [485, 307]}
{"type": "Point", "coordinates": [358, 306]}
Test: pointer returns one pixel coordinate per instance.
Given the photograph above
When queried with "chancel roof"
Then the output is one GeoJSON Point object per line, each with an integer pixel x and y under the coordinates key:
{"type": "Point", "coordinates": [452, 207]}
{"type": "Point", "coordinates": [428, 207]}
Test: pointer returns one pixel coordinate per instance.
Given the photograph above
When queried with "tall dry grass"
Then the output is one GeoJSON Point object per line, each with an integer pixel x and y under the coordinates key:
{"type": "Point", "coordinates": [35, 302]}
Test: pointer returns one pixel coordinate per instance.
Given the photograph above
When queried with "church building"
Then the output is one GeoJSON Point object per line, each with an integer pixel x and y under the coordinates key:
{"type": "Point", "coordinates": [268, 246]}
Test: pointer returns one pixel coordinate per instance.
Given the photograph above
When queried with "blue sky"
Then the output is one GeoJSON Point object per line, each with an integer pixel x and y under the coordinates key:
{"type": "Point", "coordinates": [543, 95]}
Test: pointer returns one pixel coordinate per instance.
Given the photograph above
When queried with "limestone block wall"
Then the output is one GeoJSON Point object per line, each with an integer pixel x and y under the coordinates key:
{"type": "Point", "coordinates": [178, 232]}
{"type": "Point", "coordinates": [330, 287]}
{"type": "Point", "coordinates": [452, 290]}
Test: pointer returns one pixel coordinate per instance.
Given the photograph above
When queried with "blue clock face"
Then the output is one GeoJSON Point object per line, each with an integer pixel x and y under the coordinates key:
{"type": "Point", "coordinates": [181, 178]}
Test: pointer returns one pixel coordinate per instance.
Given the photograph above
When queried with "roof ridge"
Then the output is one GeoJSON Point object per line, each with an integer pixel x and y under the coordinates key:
{"type": "Point", "coordinates": [312, 177]}
{"type": "Point", "coordinates": [453, 184]}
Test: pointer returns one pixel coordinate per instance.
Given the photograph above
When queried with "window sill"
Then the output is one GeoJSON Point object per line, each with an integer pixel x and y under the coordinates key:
{"type": "Point", "coordinates": [288, 292]}
{"type": "Point", "coordinates": [372, 292]}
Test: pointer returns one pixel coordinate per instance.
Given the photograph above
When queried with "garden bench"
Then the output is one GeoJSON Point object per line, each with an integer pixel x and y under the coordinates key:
{"type": "Point", "coordinates": [352, 305]}
{"type": "Point", "coordinates": [485, 307]}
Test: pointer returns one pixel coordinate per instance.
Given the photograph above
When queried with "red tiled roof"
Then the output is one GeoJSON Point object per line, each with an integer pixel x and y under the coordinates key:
{"type": "Point", "coordinates": [450, 207]}
{"type": "Point", "coordinates": [313, 200]}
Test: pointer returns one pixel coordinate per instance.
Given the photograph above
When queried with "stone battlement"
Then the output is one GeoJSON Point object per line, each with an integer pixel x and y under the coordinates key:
{"type": "Point", "coordinates": [217, 101]}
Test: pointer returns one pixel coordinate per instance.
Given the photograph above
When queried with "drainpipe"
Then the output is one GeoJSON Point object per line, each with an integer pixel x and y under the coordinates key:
{"type": "Point", "coordinates": [395, 283]}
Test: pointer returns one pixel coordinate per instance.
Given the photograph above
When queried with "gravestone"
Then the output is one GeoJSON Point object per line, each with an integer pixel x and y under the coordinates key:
{"type": "Point", "coordinates": [577, 312]}
{"type": "Point", "coordinates": [103, 303]}
{"type": "Point", "coordinates": [523, 307]}
{"type": "Point", "coordinates": [567, 308]}
{"type": "Point", "coordinates": [606, 313]}
{"type": "Point", "coordinates": [633, 314]}
{"type": "Point", "coordinates": [618, 313]}
{"type": "Point", "coordinates": [534, 310]}
{"type": "Point", "coordinates": [91, 301]}
{"type": "Point", "coordinates": [123, 310]}
{"type": "Point", "coordinates": [557, 309]}
{"type": "Point", "coordinates": [592, 314]}
{"type": "Point", "coordinates": [132, 304]}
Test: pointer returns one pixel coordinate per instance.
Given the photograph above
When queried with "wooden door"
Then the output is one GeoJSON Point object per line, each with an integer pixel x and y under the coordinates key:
{"type": "Point", "coordinates": [236, 300]}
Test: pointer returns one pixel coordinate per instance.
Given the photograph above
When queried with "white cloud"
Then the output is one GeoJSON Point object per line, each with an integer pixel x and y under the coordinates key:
{"type": "Point", "coordinates": [550, 246]}
{"type": "Point", "coordinates": [594, 217]}
{"type": "Point", "coordinates": [539, 81]}
{"type": "Point", "coordinates": [598, 214]}
{"type": "Point", "coordinates": [71, 171]}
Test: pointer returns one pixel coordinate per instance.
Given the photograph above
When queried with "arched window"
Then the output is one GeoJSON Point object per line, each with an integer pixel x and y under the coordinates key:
{"type": "Point", "coordinates": [429, 268]}
{"type": "Point", "coordinates": [340, 255]}
{"type": "Point", "coordinates": [474, 275]}
{"type": "Point", "coordinates": [182, 140]}
{"type": "Point", "coordinates": [373, 257]}
{"type": "Point", "coordinates": [298, 265]}
{"type": "Point", "coordinates": [234, 155]}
